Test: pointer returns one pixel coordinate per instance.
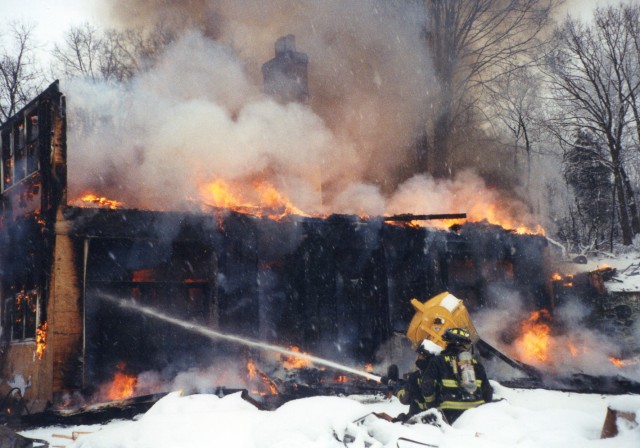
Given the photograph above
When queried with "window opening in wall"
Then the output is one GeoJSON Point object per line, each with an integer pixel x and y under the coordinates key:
{"type": "Point", "coordinates": [20, 153]}
{"type": "Point", "coordinates": [7, 160]}
{"type": "Point", "coordinates": [32, 128]}
{"type": "Point", "coordinates": [21, 315]}
{"type": "Point", "coordinates": [33, 163]}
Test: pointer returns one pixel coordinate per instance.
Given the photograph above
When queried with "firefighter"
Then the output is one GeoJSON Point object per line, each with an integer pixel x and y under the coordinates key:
{"type": "Point", "coordinates": [409, 392]}
{"type": "Point", "coordinates": [454, 380]}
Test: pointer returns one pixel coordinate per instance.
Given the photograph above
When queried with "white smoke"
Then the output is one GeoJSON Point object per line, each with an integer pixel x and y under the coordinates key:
{"type": "Point", "coordinates": [199, 113]}
{"type": "Point", "coordinates": [197, 117]}
{"type": "Point", "coordinates": [194, 118]}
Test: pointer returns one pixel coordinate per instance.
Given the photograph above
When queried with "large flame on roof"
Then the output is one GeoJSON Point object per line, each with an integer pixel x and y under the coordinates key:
{"type": "Point", "coordinates": [96, 201]}
{"type": "Point", "coordinates": [263, 199]}
{"type": "Point", "coordinates": [258, 198]}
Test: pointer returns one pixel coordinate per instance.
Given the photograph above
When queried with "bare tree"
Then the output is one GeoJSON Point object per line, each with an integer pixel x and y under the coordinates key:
{"type": "Point", "coordinates": [474, 43]}
{"type": "Point", "coordinates": [79, 53]}
{"type": "Point", "coordinates": [114, 55]}
{"type": "Point", "coordinates": [590, 76]}
{"type": "Point", "coordinates": [20, 77]}
{"type": "Point", "coordinates": [121, 54]}
{"type": "Point", "coordinates": [589, 218]}
{"type": "Point", "coordinates": [631, 69]}
{"type": "Point", "coordinates": [515, 113]}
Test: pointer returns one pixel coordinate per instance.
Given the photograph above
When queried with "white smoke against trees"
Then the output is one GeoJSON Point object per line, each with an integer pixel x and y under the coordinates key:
{"type": "Point", "coordinates": [370, 77]}
{"type": "Point", "coordinates": [199, 114]}
{"type": "Point", "coordinates": [190, 120]}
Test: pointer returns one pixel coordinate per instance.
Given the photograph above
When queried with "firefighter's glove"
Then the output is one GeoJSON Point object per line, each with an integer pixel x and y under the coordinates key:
{"type": "Point", "coordinates": [401, 418]}
{"type": "Point", "coordinates": [392, 378]}
{"type": "Point", "coordinates": [390, 382]}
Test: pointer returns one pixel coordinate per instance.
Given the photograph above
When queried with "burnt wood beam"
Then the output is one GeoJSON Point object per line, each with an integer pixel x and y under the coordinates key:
{"type": "Point", "coordinates": [406, 217]}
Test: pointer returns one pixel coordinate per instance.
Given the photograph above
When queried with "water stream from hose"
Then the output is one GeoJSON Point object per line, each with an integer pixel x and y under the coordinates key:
{"type": "Point", "coordinates": [213, 334]}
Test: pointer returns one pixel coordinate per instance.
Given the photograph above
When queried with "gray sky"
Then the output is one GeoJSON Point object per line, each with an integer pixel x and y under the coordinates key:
{"type": "Point", "coordinates": [583, 8]}
{"type": "Point", "coordinates": [51, 17]}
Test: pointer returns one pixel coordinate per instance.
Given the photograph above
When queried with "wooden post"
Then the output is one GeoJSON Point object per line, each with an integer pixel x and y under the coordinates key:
{"type": "Point", "coordinates": [610, 427]}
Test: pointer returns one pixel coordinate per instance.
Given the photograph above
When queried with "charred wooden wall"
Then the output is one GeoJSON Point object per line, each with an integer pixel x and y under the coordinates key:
{"type": "Point", "coordinates": [32, 190]}
{"type": "Point", "coordinates": [337, 287]}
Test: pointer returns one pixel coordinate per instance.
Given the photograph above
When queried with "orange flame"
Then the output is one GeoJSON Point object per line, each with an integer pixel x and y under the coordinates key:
{"type": "Point", "coordinates": [41, 339]}
{"type": "Point", "coordinates": [483, 213]}
{"type": "Point", "coordinates": [617, 362]}
{"type": "Point", "coordinates": [218, 194]}
{"type": "Point", "coordinates": [499, 214]}
{"type": "Point", "coordinates": [535, 339]}
{"type": "Point", "coordinates": [261, 198]}
{"type": "Point", "coordinates": [252, 371]}
{"type": "Point", "coordinates": [293, 362]}
{"type": "Point", "coordinates": [122, 386]}
{"type": "Point", "coordinates": [258, 199]}
{"type": "Point", "coordinates": [273, 199]}
{"type": "Point", "coordinates": [93, 200]}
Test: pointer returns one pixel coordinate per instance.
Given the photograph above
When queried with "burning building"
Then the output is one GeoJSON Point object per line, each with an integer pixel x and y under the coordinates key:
{"type": "Point", "coordinates": [339, 286]}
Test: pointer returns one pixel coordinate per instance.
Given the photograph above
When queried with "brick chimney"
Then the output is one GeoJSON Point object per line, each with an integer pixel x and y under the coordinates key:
{"type": "Point", "coordinates": [285, 76]}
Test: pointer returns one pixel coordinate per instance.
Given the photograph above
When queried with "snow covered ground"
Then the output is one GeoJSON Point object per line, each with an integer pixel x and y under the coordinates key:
{"type": "Point", "coordinates": [519, 418]}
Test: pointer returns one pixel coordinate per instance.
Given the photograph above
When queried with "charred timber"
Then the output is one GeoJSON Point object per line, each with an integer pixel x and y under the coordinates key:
{"type": "Point", "coordinates": [94, 413]}
{"type": "Point", "coordinates": [408, 217]}
{"type": "Point", "coordinates": [578, 383]}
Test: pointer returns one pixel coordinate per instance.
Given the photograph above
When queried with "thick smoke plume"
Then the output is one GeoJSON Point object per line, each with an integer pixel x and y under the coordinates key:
{"type": "Point", "coordinates": [199, 114]}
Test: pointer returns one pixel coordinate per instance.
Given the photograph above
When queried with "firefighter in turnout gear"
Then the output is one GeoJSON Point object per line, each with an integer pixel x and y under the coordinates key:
{"type": "Point", "coordinates": [454, 380]}
{"type": "Point", "coordinates": [410, 392]}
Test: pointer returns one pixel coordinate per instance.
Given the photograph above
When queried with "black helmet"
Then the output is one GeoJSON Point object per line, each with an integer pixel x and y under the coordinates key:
{"type": "Point", "coordinates": [457, 336]}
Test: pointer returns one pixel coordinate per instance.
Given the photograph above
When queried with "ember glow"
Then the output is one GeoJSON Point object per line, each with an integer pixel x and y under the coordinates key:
{"type": "Point", "coordinates": [122, 386]}
{"type": "Point", "coordinates": [535, 340]}
{"type": "Point", "coordinates": [567, 279]}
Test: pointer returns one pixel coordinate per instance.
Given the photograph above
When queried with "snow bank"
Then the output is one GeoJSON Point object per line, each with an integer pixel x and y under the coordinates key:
{"type": "Point", "coordinates": [520, 418]}
{"type": "Point", "coordinates": [175, 421]}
